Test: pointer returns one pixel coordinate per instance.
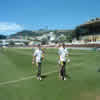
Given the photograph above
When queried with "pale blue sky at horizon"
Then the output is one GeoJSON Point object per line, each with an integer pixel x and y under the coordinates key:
{"type": "Point", "coordinates": [17, 15]}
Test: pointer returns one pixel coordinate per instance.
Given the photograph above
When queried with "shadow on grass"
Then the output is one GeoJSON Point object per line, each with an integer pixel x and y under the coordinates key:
{"type": "Point", "coordinates": [44, 76]}
{"type": "Point", "coordinates": [68, 76]}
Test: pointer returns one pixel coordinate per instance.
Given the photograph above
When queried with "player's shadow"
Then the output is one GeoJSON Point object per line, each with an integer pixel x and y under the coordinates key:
{"type": "Point", "coordinates": [98, 70]}
{"type": "Point", "coordinates": [44, 76]}
{"type": "Point", "coordinates": [68, 76]}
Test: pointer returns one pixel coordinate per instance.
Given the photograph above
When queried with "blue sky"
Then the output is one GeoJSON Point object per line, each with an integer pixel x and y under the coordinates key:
{"type": "Point", "coordinates": [17, 15]}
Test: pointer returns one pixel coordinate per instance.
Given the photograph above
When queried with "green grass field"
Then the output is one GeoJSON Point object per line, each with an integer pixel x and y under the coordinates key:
{"type": "Point", "coordinates": [17, 82]}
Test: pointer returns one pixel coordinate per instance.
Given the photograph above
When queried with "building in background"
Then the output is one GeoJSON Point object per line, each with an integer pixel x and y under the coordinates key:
{"type": "Point", "coordinates": [89, 31]}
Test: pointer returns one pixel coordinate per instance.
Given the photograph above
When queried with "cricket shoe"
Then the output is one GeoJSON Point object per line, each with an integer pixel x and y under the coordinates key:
{"type": "Point", "coordinates": [65, 78]}
{"type": "Point", "coordinates": [40, 78]}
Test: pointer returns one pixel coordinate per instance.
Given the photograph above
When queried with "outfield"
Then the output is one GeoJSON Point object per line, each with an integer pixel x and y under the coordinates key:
{"type": "Point", "coordinates": [17, 82]}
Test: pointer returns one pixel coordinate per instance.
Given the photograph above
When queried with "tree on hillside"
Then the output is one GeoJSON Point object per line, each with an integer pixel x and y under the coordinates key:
{"type": "Point", "coordinates": [11, 43]}
{"type": "Point", "coordinates": [70, 35]}
{"type": "Point", "coordinates": [44, 41]}
{"type": "Point", "coordinates": [2, 37]}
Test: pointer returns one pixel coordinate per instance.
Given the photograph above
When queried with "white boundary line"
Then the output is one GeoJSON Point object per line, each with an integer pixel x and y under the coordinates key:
{"type": "Point", "coordinates": [24, 78]}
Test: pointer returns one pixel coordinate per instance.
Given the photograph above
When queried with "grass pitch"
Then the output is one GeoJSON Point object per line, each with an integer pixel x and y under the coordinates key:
{"type": "Point", "coordinates": [17, 82]}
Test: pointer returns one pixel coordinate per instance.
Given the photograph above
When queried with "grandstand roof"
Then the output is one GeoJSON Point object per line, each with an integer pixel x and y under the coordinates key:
{"type": "Point", "coordinates": [93, 22]}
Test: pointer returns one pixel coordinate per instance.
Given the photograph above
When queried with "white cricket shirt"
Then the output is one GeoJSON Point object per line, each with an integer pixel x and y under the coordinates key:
{"type": "Point", "coordinates": [62, 53]}
{"type": "Point", "coordinates": [38, 55]}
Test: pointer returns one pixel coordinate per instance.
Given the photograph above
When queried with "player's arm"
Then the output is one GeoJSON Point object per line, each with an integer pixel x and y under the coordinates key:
{"type": "Point", "coordinates": [59, 53]}
{"type": "Point", "coordinates": [67, 54]}
{"type": "Point", "coordinates": [43, 54]}
{"type": "Point", "coordinates": [34, 57]}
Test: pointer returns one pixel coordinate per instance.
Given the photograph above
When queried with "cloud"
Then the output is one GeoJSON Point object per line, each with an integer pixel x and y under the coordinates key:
{"type": "Point", "coordinates": [10, 27]}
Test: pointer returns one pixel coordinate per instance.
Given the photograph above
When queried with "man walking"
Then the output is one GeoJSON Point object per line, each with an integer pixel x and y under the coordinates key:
{"type": "Point", "coordinates": [63, 52]}
{"type": "Point", "coordinates": [37, 58]}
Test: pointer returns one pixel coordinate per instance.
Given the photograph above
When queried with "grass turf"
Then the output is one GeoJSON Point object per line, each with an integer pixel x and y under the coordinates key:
{"type": "Point", "coordinates": [84, 83]}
